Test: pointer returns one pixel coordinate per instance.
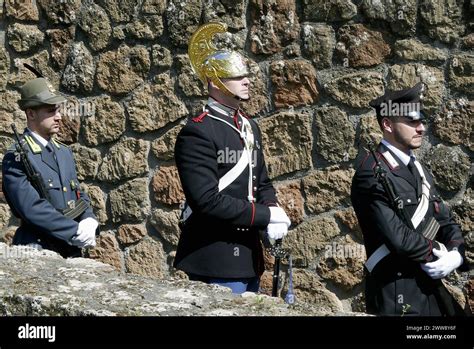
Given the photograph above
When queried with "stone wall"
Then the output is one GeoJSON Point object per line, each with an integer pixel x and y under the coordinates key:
{"type": "Point", "coordinates": [315, 66]}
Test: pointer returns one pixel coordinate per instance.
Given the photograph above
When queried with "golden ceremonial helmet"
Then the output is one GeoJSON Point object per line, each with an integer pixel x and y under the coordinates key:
{"type": "Point", "coordinates": [210, 63]}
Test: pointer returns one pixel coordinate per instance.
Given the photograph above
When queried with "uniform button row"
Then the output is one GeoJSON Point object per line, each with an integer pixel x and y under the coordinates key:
{"type": "Point", "coordinates": [243, 229]}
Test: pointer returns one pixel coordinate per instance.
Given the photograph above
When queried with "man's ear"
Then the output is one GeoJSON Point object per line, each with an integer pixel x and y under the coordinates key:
{"type": "Point", "coordinates": [30, 114]}
{"type": "Point", "coordinates": [387, 125]}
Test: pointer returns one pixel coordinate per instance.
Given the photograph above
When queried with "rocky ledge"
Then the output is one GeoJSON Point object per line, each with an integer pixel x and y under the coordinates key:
{"type": "Point", "coordinates": [42, 283]}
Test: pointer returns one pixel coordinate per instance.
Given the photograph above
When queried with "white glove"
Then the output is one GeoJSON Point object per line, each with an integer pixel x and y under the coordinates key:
{"type": "Point", "coordinates": [447, 262]}
{"type": "Point", "coordinates": [85, 236]}
{"type": "Point", "coordinates": [442, 247]}
{"type": "Point", "coordinates": [278, 215]}
{"type": "Point", "coordinates": [276, 231]}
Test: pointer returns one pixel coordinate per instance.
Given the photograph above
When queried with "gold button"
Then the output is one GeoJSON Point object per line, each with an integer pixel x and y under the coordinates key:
{"type": "Point", "coordinates": [50, 184]}
{"type": "Point", "coordinates": [64, 189]}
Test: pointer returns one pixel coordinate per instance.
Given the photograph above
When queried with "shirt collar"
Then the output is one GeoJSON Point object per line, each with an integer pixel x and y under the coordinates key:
{"type": "Point", "coordinates": [400, 154]}
{"type": "Point", "coordinates": [40, 139]}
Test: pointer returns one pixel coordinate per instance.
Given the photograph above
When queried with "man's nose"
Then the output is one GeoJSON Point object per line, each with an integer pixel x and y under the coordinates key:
{"type": "Point", "coordinates": [246, 82]}
{"type": "Point", "coordinates": [421, 127]}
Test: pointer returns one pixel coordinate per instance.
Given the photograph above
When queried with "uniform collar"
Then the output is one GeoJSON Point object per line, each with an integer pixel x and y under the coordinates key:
{"type": "Point", "coordinates": [221, 108]}
{"type": "Point", "coordinates": [400, 154]}
{"type": "Point", "coordinates": [40, 139]}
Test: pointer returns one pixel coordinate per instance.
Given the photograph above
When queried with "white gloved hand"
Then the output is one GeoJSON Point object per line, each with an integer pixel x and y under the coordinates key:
{"type": "Point", "coordinates": [442, 247]}
{"type": "Point", "coordinates": [276, 231]}
{"type": "Point", "coordinates": [278, 215]}
{"type": "Point", "coordinates": [85, 236]}
{"type": "Point", "coordinates": [447, 262]}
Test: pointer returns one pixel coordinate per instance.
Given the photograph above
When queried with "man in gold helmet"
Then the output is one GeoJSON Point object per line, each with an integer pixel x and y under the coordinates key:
{"type": "Point", "coordinates": [229, 197]}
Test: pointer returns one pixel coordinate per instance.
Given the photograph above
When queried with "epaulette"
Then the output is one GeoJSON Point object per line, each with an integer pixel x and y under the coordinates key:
{"type": "Point", "coordinates": [35, 148]}
{"type": "Point", "coordinates": [390, 160]}
{"type": "Point", "coordinates": [362, 163]}
{"type": "Point", "coordinates": [58, 144]}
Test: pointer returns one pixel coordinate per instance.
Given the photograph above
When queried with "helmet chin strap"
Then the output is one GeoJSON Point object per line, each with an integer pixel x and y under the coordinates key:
{"type": "Point", "coordinates": [220, 85]}
{"type": "Point", "coordinates": [234, 96]}
{"type": "Point", "coordinates": [240, 99]}
{"type": "Point", "coordinates": [229, 93]}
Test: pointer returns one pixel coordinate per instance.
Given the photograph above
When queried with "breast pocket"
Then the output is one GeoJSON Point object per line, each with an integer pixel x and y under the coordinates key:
{"type": "Point", "coordinates": [409, 201]}
{"type": "Point", "coordinates": [55, 191]}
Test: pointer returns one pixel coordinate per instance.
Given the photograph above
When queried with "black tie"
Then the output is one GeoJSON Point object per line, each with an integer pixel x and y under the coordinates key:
{"type": "Point", "coordinates": [50, 147]}
{"type": "Point", "coordinates": [414, 171]}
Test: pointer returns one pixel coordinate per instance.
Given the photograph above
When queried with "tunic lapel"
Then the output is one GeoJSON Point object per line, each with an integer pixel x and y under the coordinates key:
{"type": "Point", "coordinates": [400, 171]}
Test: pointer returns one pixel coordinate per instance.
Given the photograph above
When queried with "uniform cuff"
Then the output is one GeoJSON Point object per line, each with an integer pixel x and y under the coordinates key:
{"type": "Point", "coordinates": [431, 257]}
{"type": "Point", "coordinates": [260, 215]}
{"type": "Point", "coordinates": [454, 245]}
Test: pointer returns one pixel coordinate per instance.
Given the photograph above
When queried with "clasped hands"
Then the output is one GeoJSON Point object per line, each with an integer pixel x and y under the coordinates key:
{"type": "Point", "coordinates": [447, 261]}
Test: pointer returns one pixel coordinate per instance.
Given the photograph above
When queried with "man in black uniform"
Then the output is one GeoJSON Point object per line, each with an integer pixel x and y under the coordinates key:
{"type": "Point", "coordinates": [413, 243]}
{"type": "Point", "coordinates": [223, 174]}
{"type": "Point", "coordinates": [55, 214]}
